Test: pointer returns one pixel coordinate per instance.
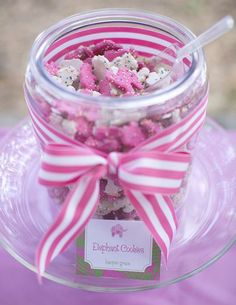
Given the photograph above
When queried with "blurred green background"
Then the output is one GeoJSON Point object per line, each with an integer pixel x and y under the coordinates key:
{"type": "Point", "coordinates": [22, 21]}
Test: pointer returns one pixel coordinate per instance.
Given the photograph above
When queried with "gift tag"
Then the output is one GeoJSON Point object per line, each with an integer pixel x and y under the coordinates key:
{"type": "Point", "coordinates": [118, 248]}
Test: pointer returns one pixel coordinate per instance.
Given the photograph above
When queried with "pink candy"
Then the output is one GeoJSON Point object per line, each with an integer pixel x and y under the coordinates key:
{"type": "Point", "coordinates": [104, 87]}
{"type": "Point", "coordinates": [140, 65]}
{"type": "Point", "coordinates": [92, 142]}
{"type": "Point", "coordinates": [109, 145]}
{"type": "Point", "coordinates": [105, 145]}
{"type": "Point", "coordinates": [87, 78]}
{"type": "Point", "coordinates": [82, 53]}
{"type": "Point", "coordinates": [112, 54]}
{"type": "Point", "coordinates": [67, 110]}
{"type": "Point", "coordinates": [58, 193]}
{"type": "Point", "coordinates": [100, 48]}
{"type": "Point", "coordinates": [132, 135]}
{"type": "Point", "coordinates": [124, 80]}
{"type": "Point", "coordinates": [45, 108]}
{"type": "Point", "coordinates": [51, 68]}
{"type": "Point", "coordinates": [101, 132]}
{"type": "Point", "coordinates": [104, 132]}
{"type": "Point", "coordinates": [114, 131]}
{"type": "Point", "coordinates": [105, 45]}
{"type": "Point", "coordinates": [149, 127]}
{"type": "Point", "coordinates": [84, 129]}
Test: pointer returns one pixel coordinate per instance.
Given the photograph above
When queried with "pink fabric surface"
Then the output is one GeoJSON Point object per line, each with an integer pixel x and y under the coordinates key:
{"type": "Point", "coordinates": [3, 131]}
{"type": "Point", "coordinates": [214, 286]}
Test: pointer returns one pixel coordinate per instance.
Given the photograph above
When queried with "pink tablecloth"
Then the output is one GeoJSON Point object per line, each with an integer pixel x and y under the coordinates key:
{"type": "Point", "coordinates": [214, 286]}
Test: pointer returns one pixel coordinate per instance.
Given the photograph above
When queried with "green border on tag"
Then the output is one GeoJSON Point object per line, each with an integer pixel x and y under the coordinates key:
{"type": "Point", "coordinates": [151, 273]}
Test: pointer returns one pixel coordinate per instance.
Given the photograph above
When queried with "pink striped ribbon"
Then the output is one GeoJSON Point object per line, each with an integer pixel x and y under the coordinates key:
{"type": "Point", "coordinates": [149, 174]}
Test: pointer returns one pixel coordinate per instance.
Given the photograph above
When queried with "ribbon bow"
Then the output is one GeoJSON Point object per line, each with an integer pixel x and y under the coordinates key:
{"type": "Point", "coordinates": [148, 178]}
{"type": "Point", "coordinates": [148, 174]}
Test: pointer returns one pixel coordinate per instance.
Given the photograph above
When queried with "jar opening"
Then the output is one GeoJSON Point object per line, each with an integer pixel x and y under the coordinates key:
{"type": "Point", "coordinates": [147, 33]}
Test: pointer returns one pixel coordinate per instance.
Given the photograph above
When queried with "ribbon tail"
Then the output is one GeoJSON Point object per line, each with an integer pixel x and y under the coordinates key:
{"type": "Point", "coordinates": [158, 214]}
{"type": "Point", "coordinates": [79, 207]}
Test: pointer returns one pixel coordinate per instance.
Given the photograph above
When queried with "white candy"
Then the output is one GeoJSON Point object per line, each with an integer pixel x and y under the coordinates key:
{"type": "Point", "coordinates": [143, 74]}
{"type": "Point", "coordinates": [152, 78]}
{"type": "Point", "coordinates": [114, 69]}
{"type": "Point", "coordinates": [128, 207]}
{"type": "Point", "coordinates": [107, 206]}
{"type": "Point", "coordinates": [119, 117]}
{"type": "Point", "coordinates": [76, 63]}
{"type": "Point", "coordinates": [165, 82]}
{"type": "Point", "coordinates": [115, 91]}
{"type": "Point", "coordinates": [56, 78]}
{"type": "Point", "coordinates": [96, 93]}
{"type": "Point", "coordinates": [164, 77]}
{"type": "Point", "coordinates": [111, 188]}
{"type": "Point", "coordinates": [71, 88]}
{"type": "Point", "coordinates": [117, 62]}
{"type": "Point", "coordinates": [90, 92]}
{"type": "Point", "coordinates": [69, 127]}
{"type": "Point", "coordinates": [124, 203]}
{"type": "Point", "coordinates": [100, 64]}
{"type": "Point", "coordinates": [166, 116]}
{"type": "Point", "coordinates": [104, 208]}
{"type": "Point", "coordinates": [184, 110]}
{"type": "Point", "coordinates": [162, 72]}
{"type": "Point", "coordinates": [67, 75]}
{"type": "Point", "coordinates": [55, 119]}
{"type": "Point", "coordinates": [125, 61]}
{"type": "Point", "coordinates": [176, 116]}
{"type": "Point", "coordinates": [117, 205]}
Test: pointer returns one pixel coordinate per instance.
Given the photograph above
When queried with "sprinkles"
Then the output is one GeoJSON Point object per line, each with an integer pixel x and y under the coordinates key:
{"type": "Point", "coordinates": [111, 70]}
{"type": "Point", "coordinates": [93, 68]}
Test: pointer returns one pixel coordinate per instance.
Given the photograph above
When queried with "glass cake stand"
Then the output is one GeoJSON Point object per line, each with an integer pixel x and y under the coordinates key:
{"type": "Point", "coordinates": [207, 222]}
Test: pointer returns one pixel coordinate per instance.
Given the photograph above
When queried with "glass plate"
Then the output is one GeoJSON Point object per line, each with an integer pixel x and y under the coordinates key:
{"type": "Point", "coordinates": [207, 219]}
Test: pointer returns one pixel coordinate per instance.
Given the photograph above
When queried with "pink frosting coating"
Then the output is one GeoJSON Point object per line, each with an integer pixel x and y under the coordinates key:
{"type": "Point", "coordinates": [124, 80]}
{"type": "Point", "coordinates": [112, 54]}
{"type": "Point", "coordinates": [84, 129]}
{"type": "Point", "coordinates": [67, 110]}
{"type": "Point", "coordinates": [149, 127]}
{"type": "Point", "coordinates": [52, 68]}
{"type": "Point", "coordinates": [87, 78]}
{"type": "Point", "coordinates": [104, 87]}
{"type": "Point", "coordinates": [105, 45]}
{"type": "Point", "coordinates": [82, 53]}
{"type": "Point", "coordinates": [132, 135]}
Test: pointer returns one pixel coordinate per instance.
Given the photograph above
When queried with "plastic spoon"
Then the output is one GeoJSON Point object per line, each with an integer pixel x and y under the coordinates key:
{"type": "Point", "coordinates": [214, 32]}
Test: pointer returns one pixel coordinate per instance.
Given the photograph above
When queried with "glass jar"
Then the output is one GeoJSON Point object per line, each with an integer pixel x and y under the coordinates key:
{"type": "Point", "coordinates": [110, 123]}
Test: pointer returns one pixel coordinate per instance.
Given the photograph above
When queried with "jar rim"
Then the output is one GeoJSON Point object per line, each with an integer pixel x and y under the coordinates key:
{"type": "Point", "coordinates": [56, 31]}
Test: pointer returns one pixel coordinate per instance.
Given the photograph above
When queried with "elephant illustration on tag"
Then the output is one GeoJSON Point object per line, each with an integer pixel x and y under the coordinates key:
{"type": "Point", "coordinates": [117, 230]}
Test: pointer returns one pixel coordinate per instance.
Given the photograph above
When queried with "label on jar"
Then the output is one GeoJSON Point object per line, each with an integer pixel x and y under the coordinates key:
{"type": "Point", "coordinates": [118, 248]}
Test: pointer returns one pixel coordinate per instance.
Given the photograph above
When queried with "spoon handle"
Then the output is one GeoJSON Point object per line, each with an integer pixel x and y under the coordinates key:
{"type": "Point", "coordinates": [218, 29]}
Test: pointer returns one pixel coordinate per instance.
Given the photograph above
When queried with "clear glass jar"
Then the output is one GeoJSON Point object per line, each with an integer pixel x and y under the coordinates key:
{"type": "Point", "coordinates": [113, 124]}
